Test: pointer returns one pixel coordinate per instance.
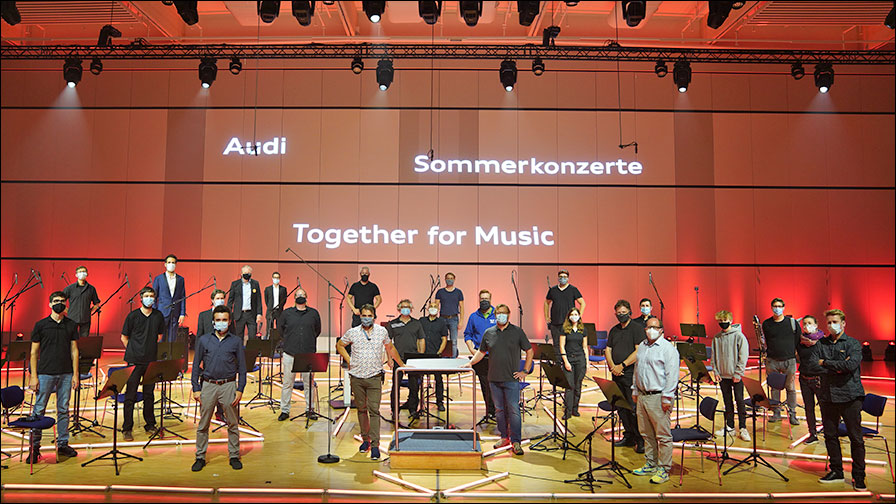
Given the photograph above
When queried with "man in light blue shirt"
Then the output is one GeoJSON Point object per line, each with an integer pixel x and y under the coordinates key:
{"type": "Point", "coordinates": [653, 390]}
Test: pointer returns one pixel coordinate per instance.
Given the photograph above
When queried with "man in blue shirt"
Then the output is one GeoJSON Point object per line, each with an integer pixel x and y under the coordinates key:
{"type": "Point", "coordinates": [450, 301]}
{"type": "Point", "coordinates": [479, 321]}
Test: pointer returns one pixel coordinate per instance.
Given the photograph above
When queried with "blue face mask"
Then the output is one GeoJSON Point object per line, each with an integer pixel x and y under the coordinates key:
{"type": "Point", "coordinates": [501, 318]}
{"type": "Point", "coordinates": [778, 310]}
{"type": "Point", "coordinates": [221, 326]}
{"type": "Point", "coordinates": [645, 310]}
{"type": "Point", "coordinates": [148, 301]}
{"type": "Point", "coordinates": [366, 321]}
{"type": "Point", "coordinates": [449, 282]}
{"type": "Point", "coordinates": [563, 280]}
{"type": "Point", "coordinates": [405, 311]}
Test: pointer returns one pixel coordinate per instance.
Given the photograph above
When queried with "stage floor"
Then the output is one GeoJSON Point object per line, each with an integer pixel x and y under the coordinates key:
{"type": "Point", "coordinates": [283, 465]}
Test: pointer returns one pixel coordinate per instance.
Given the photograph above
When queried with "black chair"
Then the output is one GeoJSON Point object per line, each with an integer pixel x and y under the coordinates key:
{"type": "Point", "coordinates": [13, 397]}
{"type": "Point", "coordinates": [874, 405]}
{"type": "Point", "coordinates": [698, 437]}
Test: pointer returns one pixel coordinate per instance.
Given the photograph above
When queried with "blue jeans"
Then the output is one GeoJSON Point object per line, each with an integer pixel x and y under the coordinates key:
{"type": "Point", "coordinates": [62, 385]}
{"type": "Point", "coordinates": [507, 409]}
{"type": "Point", "coordinates": [452, 334]}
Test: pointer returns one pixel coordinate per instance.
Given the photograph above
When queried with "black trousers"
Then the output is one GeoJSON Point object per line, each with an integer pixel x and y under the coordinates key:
{"type": "Point", "coordinates": [84, 329]}
{"type": "Point", "coordinates": [130, 397]}
{"type": "Point", "coordinates": [481, 369]}
{"type": "Point", "coordinates": [810, 386]}
{"type": "Point", "coordinates": [556, 330]}
{"type": "Point", "coordinates": [628, 417]}
{"type": "Point", "coordinates": [579, 364]}
{"type": "Point", "coordinates": [851, 413]}
{"type": "Point", "coordinates": [413, 391]}
{"type": "Point", "coordinates": [171, 325]}
{"type": "Point", "coordinates": [729, 389]}
{"type": "Point", "coordinates": [246, 321]}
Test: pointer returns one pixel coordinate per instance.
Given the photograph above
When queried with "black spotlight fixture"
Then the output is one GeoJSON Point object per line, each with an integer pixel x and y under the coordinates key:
{"type": "Point", "coordinates": [660, 69]}
{"type": "Point", "coordinates": [96, 66]}
{"type": "Point", "coordinates": [537, 66]}
{"type": "Point", "coordinates": [269, 10]}
{"type": "Point", "coordinates": [718, 13]}
{"type": "Point", "coordinates": [528, 11]}
{"type": "Point", "coordinates": [681, 75]}
{"type": "Point", "coordinates": [385, 72]}
{"type": "Point", "coordinates": [71, 71]}
{"type": "Point", "coordinates": [634, 12]}
{"type": "Point", "coordinates": [10, 13]}
{"type": "Point", "coordinates": [824, 77]}
{"type": "Point", "coordinates": [374, 10]}
{"type": "Point", "coordinates": [471, 12]}
{"type": "Point", "coordinates": [430, 11]}
{"type": "Point", "coordinates": [303, 12]}
{"type": "Point", "coordinates": [890, 22]}
{"type": "Point", "coordinates": [890, 352]}
{"type": "Point", "coordinates": [797, 71]}
{"type": "Point", "coordinates": [357, 65]}
{"type": "Point", "coordinates": [106, 34]}
{"type": "Point", "coordinates": [208, 70]}
{"type": "Point", "coordinates": [236, 66]}
{"type": "Point", "coordinates": [188, 10]}
{"type": "Point", "coordinates": [508, 74]}
{"type": "Point", "coordinates": [866, 352]}
{"type": "Point", "coordinates": [549, 34]}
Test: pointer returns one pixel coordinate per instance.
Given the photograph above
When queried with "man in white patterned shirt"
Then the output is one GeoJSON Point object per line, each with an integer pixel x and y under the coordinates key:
{"type": "Point", "coordinates": [365, 368]}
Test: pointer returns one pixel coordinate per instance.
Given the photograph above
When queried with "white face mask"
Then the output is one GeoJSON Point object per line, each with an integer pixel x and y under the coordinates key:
{"type": "Point", "coordinates": [573, 318]}
{"type": "Point", "coordinates": [275, 281]}
{"type": "Point", "coordinates": [433, 310]}
{"type": "Point", "coordinates": [170, 267]}
{"type": "Point", "coordinates": [778, 310]}
{"type": "Point", "coordinates": [835, 327]}
{"type": "Point", "coordinates": [81, 275]}
{"type": "Point", "coordinates": [810, 328]}
{"type": "Point", "coordinates": [653, 333]}
{"type": "Point", "coordinates": [645, 310]}
{"type": "Point", "coordinates": [218, 302]}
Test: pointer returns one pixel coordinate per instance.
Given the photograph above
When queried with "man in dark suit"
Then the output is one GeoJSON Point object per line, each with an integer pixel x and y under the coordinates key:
{"type": "Point", "coordinates": [170, 287]}
{"type": "Point", "coordinates": [244, 301]}
{"type": "Point", "coordinates": [206, 325]}
{"type": "Point", "coordinates": [274, 299]}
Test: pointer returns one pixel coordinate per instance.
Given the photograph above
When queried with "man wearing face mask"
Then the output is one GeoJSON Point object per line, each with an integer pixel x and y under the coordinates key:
{"type": "Point", "coordinates": [300, 329]}
{"type": "Point", "coordinates": [436, 330]}
{"type": "Point", "coordinates": [361, 293]}
{"type": "Point", "coordinates": [450, 301]}
{"type": "Point", "coordinates": [478, 322]}
{"type": "Point", "coordinates": [171, 297]}
{"type": "Point", "coordinates": [782, 335]}
{"type": "Point", "coordinates": [504, 342]}
{"type": "Point", "coordinates": [54, 366]}
{"type": "Point", "coordinates": [206, 324]}
{"type": "Point", "coordinates": [622, 353]}
{"type": "Point", "coordinates": [730, 350]}
{"type": "Point", "coordinates": [143, 329]}
{"type": "Point", "coordinates": [407, 336]}
{"type": "Point", "coordinates": [245, 303]}
{"type": "Point", "coordinates": [560, 299]}
{"type": "Point", "coordinates": [653, 390]}
{"type": "Point", "coordinates": [810, 372]}
{"type": "Point", "coordinates": [274, 299]}
{"type": "Point", "coordinates": [82, 297]}
{"type": "Point", "coordinates": [842, 395]}
{"type": "Point", "coordinates": [644, 316]}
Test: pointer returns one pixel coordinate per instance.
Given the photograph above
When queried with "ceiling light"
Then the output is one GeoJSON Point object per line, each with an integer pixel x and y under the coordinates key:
{"type": "Point", "coordinates": [528, 11]}
{"type": "Point", "coordinates": [236, 66]}
{"type": "Point", "coordinates": [634, 12]}
{"type": "Point", "coordinates": [269, 10]}
{"type": "Point", "coordinates": [71, 71]}
{"type": "Point", "coordinates": [96, 66]}
{"type": "Point", "coordinates": [824, 77]}
{"type": "Point", "coordinates": [10, 13]}
{"type": "Point", "coordinates": [681, 75]}
{"type": "Point", "coordinates": [537, 66]}
{"type": "Point", "coordinates": [357, 65]}
{"type": "Point", "coordinates": [384, 73]}
{"type": "Point", "coordinates": [508, 74]}
{"type": "Point", "coordinates": [188, 10]}
{"type": "Point", "coordinates": [106, 34]}
{"type": "Point", "coordinates": [797, 71]}
{"type": "Point", "coordinates": [660, 69]}
{"type": "Point", "coordinates": [718, 13]}
{"type": "Point", "coordinates": [374, 10]}
{"type": "Point", "coordinates": [303, 12]}
{"type": "Point", "coordinates": [471, 12]}
{"type": "Point", "coordinates": [890, 22]}
{"type": "Point", "coordinates": [548, 35]}
{"type": "Point", "coordinates": [430, 11]}
{"type": "Point", "coordinates": [208, 70]}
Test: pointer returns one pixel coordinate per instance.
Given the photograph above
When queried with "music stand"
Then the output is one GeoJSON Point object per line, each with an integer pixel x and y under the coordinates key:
{"type": "Point", "coordinates": [759, 399]}
{"type": "Point", "coordinates": [698, 372]}
{"type": "Point", "coordinates": [586, 479]}
{"type": "Point", "coordinates": [262, 348]}
{"type": "Point", "coordinates": [693, 331]}
{"type": "Point", "coordinates": [557, 378]}
{"type": "Point", "coordinates": [617, 400]}
{"type": "Point", "coordinates": [168, 350]}
{"type": "Point", "coordinates": [162, 371]}
{"type": "Point", "coordinates": [423, 402]}
{"type": "Point", "coordinates": [591, 333]}
{"type": "Point", "coordinates": [314, 362]}
{"type": "Point", "coordinates": [89, 350]}
{"type": "Point", "coordinates": [543, 352]}
{"type": "Point", "coordinates": [115, 382]}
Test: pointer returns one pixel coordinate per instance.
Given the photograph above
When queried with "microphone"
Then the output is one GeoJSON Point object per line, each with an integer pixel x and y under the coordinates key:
{"type": "Point", "coordinates": [215, 280]}
{"type": "Point", "coordinates": [298, 282]}
{"type": "Point", "coordinates": [650, 276]}
{"type": "Point", "coordinates": [39, 279]}
{"type": "Point", "coordinates": [128, 282]}
{"type": "Point", "coordinates": [288, 249]}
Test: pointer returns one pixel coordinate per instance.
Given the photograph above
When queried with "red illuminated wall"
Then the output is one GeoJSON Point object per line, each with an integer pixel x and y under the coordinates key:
{"type": "Point", "coordinates": [753, 186]}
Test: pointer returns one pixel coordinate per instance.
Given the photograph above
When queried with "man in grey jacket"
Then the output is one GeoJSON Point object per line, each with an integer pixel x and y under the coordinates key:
{"type": "Point", "coordinates": [730, 350]}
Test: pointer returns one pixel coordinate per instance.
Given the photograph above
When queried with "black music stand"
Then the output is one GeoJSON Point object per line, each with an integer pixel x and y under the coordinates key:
{"type": "Point", "coordinates": [557, 378]}
{"type": "Point", "coordinates": [18, 351]}
{"type": "Point", "coordinates": [689, 350]}
{"type": "Point", "coordinates": [586, 479]}
{"type": "Point", "coordinates": [114, 385]}
{"type": "Point", "coordinates": [759, 399]}
{"type": "Point", "coordinates": [693, 331]}
{"type": "Point", "coordinates": [162, 371]}
{"type": "Point", "coordinates": [168, 350]}
{"type": "Point", "coordinates": [543, 352]}
{"type": "Point", "coordinates": [425, 394]}
{"type": "Point", "coordinates": [314, 362]}
{"type": "Point", "coordinates": [89, 350]}
{"type": "Point", "coordinates": [263, 348]}
{"type": "Point", "coordinates": [591, 333]}
{"type": "Point", "coordinates": [698, 372]}
{"type": "Point", "coordinates": [617, 400]}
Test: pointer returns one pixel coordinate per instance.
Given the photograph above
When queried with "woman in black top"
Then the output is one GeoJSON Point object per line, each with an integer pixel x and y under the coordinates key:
{"type": "Point", "coordinates": [574, 347]}
{"type": "Point", "coordinates": [810, 371]}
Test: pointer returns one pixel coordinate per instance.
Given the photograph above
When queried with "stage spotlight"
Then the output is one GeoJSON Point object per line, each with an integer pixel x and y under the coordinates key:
{"type": "Point", "coordinates": [96, 66]}
{"type": "Point", "coordinates": [634, 12]}
{"type": "Point", "coordinates": [508, 74]}
{"type": "Point", "coordinates": [824, 77]}
{"type": "Point", "coordinates": [268, 10]}
{"type": "Point", "coordinates": [374, 10]}
{"type": "Point", "coordinates": [430, 11]}
{"type": "Point", "coordinates": [660, 69]}
{"type": "Point", "coordinates": [188, 10]}
{"type": "Point", "coordinates": [10, 13]}
{"type": "Point", "coordinates": [890, 22]}
{"type": "Point", "coordinates": [797, 71]}
{"type": "Point", "coordinates": [718, 13]}
{"type": "Point", "coordinates": [528, 11]}
{"type": "Point", "coordinates": [537, 66]}
{"type": "Point", "coordinates": [71, 71]}
{"type": "Point", "coordinates": [681, 75]}
{"type": "Point", "coordinates": [890, 352]}
{"type": "Point", "coordinates": [384, 74]}
{"type": "Point", "coordinates": [303, 12]}
{"type": "Point", "coordinates": [549, 34]}
{"type": "Point", "coordinates": [208, 70]}
{"type": "Point", "coordinates": [357, 65]}
{"type": "Point", "coordinates": [236, 66]}
{"type": "Point", "coordinates": [866, 352]}
{"type": "Point", "coordinates": [471, 12]}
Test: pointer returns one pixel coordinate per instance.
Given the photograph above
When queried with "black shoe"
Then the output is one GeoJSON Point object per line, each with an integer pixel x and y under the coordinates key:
{"type": "Point", "coordinates": [150, 427]}
{"type": "Point", "coordinates": [282, 417]}
{"type": "Point", "coordinates": [441, 407]}
{"type": "Point", "coordinates": [415, 415]}
{"type": "Point", "coordinates": [403, 406]}
{"type": "Point", "coordinates": [198, 465]}
{"type": "Point", "coordinates": [831, 477]}
{"type": "Point", "coordinates": [66, 451]}
{"type": "Point", "coordinates": [33, 456]}
{"type": "Point", "coordinates": [566, 415]}
{"type": "Point", "coordinates": [575, 413]}
{"type": "Point", "coordinates": [858, 484]}
{"type": "Point", "coordinates": [639, 447]}
{"type": "Point", "coordinates": [625, 441]}
{"type": "Point", "coordinates": [236, 464]}
{"type": "Point", "coordinates": [127, 435]}
{"type": "Point", "coordinates": [811, 440]}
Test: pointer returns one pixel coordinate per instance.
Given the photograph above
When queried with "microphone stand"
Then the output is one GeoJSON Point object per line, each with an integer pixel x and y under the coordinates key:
{"type": "Point", "coordinates": [328, 458]}
{"type": "Point", "coordinates": [12, 305]}
{"type": "Point", "coordinates": [131, 299]}
{"type": "Point", "coordinates": [99, 309]}
{"type": "Point", "coordinates": [662, 305]}
{"type": "Point", "coordinates": [516, 291]}
{"type": "Point", "coordinates": [433, 287]}
{"type": "Point", "coordinates": [15, 282]}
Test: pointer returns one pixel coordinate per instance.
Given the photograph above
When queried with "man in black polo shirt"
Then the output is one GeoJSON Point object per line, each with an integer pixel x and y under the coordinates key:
{"type": "Point", "coordinates": [407, 336]}
{"type": "Point", "coordinates": [362, 293]}
{"type": "Point", "coordinates": [560, 299]}
{"type": "Point", "coordinates": [300, 329]}
{"type": "Point", "coordinates": [141, 333]}
{"type": "Point", "coordinates": [436, 330]}
{"type": "Point", "coordinates": [81, 297]}
{"type": "Point", "coordinates": [622, 353]}
{"type": "Point", "coordinates": [645, 315]}
{"type": "Point", "coordinates": [54, 365]}
{"type": "Point", "coordinates": [782, 335]}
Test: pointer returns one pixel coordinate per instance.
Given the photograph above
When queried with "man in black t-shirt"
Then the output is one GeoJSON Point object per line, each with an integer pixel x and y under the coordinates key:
{"type": "Point", "coordinates": [645, 315]}
{"type": "Point", "coordinates": [782, 335]}
{"type": "Point", "coordinates": [407, 336]}
{"type": "Point", "coordinates": [622, 353]}
{"type": "Point", "coordinates": [436, 330]}
{"type": "Point", "coordinates": [141, 333]}
{"type": "Point", "coordinates": [560, 299]}
{"type": "Point", "coordinates": [81, 297]}
{"type": "Point", "coordinates": [300, 328]}
{"type": "Point", "coordinates": [54, 366]}
{"type": "Point", "coordinates": [362, 293]}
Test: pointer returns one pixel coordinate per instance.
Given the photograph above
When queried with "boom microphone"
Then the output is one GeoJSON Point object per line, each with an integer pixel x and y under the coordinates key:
{"type": "Point", "coordinates": [128, 282]}
{"type": "Point", "coordinates": [39, 279]}
{"type": "Point", "coordinates": [650, 276]}
{"type": "Point", "coordinates": [215, 280]}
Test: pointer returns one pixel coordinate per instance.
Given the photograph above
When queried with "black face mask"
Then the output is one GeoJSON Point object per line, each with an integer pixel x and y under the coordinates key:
{"type": "Point", "coordinates": [301, 300]}
{"type": "Point", "coordinates": [724, 325]}
{"type": "Point", "coordinates": [364, 278]}
{"type": "Point", "coordinates": [623, 318]}
{"type": "Point", "coordinates": [59, 308]}
{"type": "Point", "coordinates": [247, 276]}
{"type": "Point", "coordinates": [484, 305]}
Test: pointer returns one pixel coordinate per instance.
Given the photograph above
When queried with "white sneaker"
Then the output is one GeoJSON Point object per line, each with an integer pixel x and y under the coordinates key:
{"type": "Point", "coordinates": [745, 435]}
{"type": "Point", "coordinates": [725, 430]}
